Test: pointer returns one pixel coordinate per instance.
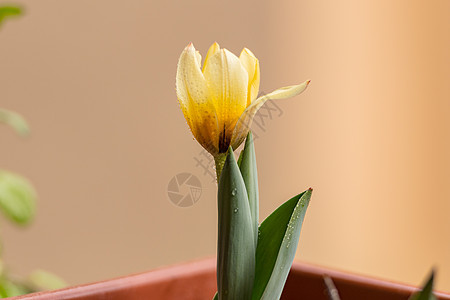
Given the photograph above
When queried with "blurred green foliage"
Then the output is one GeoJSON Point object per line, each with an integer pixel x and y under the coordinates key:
{"type": "Point", "coordinates": [18, 203]}
{"type": "Point", "coordinates": [7, 12]}
{"type": "Point", "coordinates": [16, 121]}
{"type": "Point", "coordinates": [17, 197]}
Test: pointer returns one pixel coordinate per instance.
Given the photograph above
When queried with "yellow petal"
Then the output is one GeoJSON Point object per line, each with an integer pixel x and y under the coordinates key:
{"type": "Point", "coordinates": [245, 121]}
{"type": "Point", "coordinates": [251, 64]}
{"type": "Point", "coordinates": [199, 57]}
{"type": "Point", "coordinates": [228, 82]}
{"type": "Point", "coordinates": [212, 50]}
{"type": "Point", "coordinates": [194, 98]}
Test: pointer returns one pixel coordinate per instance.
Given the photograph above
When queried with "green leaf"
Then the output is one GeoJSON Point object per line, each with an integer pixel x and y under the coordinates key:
{"type": "Point", "coordinates": [277, 244]}
{"type": "Point", "coordinates": [240, 158]}
{"type": "Point", "coordinates": [42, 280]}
{"type": "Point", "coordinates": [216, 297]}
{"type": "Point", "coordinates": [249, 173]}
{"type": "Point", "coordinates": [9, 11]}
{"type": "Point", "coordinates": [427, 291]}
{"type": "Point", "coordinates": [17, 197]}
{"type": "Point", "coordinates": [236, 246]}
{"type": "Point", "coordinates": [14, 120]}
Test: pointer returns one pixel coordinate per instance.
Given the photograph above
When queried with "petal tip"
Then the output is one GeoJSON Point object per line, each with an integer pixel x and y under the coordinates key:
{"type": "Point", "coordinates": [248, 51]}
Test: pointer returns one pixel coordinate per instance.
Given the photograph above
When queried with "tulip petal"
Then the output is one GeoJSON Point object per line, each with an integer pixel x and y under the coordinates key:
{"type": "Point", "coordinates": [211, 51]}
{"type": "Point", "coordinates": [245, 121]}
{"type": "Point", "coordinates": [251, 64]}
{"type": "Point", "coordinates": [228, 82]}
{"type": "Point", "coordinates": [195, 100]}
{"type": "Point", "coordinates": [199, 57]}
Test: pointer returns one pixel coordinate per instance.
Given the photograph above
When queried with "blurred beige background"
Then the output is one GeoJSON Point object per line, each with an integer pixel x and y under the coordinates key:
{"type": "Point", "coordinates": [371, 135]}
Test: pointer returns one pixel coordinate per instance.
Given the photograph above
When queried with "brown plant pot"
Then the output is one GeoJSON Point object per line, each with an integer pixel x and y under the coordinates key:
{"type": "Point", "coordinates": [197, 281]}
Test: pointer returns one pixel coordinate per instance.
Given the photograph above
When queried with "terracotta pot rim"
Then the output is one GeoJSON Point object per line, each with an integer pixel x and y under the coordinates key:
{"type": "Point", "coordinates": [154, 276]}
{"type": "Point", "coordinates": [204, 266]}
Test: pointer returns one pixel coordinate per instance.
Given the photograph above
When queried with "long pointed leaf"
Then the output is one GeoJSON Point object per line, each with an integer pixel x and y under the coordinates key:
{"type": "Point", "coordinates": [427, 291]}
{"type": "Point", "coordinates": [250, 176]}
{"type": "Point", "coordinates": [236, 246]}
{"type": "Point", "coordinates": [277, 244]}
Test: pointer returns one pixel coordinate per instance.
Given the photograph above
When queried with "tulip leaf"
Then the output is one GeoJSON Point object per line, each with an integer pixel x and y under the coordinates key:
{"type": "Point", "coordinates": [277, 244]}
{"type": "Point", "coordinates": [239, 161]}
{"type": "Point", "coordinates": [9, 11]}
{"type": "Point", "coordinates": [216, 297]}
{"type": "Point", "coordinates": [17, 197]}
{"type": "Point", "coordinates": [427, 291]}
{"type": "Point", "coordinates": [16, 121]}
{"type": "Point", "coordinates": [236, 246]}
{"type": "Point", "coordinates": [250, 176]}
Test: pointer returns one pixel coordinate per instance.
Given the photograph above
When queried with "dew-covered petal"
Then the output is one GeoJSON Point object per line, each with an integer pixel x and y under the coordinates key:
{"type": "Point", "coordinates": [195, 99]}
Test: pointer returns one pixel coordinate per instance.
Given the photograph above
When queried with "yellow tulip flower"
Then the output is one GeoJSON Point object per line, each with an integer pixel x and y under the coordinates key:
{"type": "Point", "coordinates": [220, 100]}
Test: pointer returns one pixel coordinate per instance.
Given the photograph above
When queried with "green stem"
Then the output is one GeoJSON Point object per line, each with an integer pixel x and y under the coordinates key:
{"type": "Point", "coordinates": [220, 161]}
